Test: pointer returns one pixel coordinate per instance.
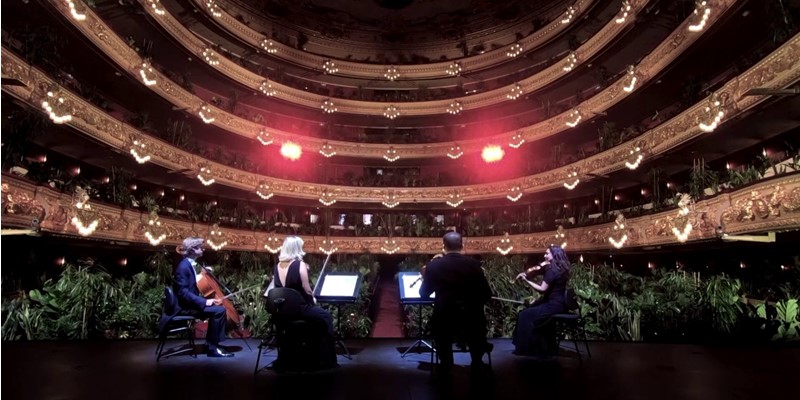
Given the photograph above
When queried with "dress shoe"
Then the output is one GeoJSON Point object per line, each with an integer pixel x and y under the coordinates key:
{"type": "Point", "coordinates": [218, 352]}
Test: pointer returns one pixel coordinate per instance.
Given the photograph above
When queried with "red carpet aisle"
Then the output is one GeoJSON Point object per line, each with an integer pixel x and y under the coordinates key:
{"type": "Point", "coordinates": [389, 317]}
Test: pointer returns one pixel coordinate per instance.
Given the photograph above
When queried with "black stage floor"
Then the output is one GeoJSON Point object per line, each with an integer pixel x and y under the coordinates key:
{"type": "Point", "coordinates": [112, 370]}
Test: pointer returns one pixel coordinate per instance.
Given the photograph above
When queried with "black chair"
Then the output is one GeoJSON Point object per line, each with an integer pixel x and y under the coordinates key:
{"type": "Point", "coordinates": [571, 325]}
{"type": "Point", "coordinates": [459, 342]}
{"type": "Point", "coordinates": [171, 323]}
{"type": "Point", "coordinates": [297, 340]}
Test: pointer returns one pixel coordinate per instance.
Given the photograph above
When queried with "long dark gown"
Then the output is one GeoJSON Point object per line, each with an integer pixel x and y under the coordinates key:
{"type": "Point", "coordinates": [312, 313]}
{"type": "Point", "coordinates": [534, 335]}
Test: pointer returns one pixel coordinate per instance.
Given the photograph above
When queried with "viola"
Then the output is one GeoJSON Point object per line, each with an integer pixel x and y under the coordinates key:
{"type": "Point", "coordinates": [534, 270]}
{"type": "Point", "coordinates": [210, 288]}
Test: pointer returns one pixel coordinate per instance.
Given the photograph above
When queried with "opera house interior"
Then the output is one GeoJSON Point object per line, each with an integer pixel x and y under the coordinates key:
{"type": "Point", "coordinates": [640, 155]}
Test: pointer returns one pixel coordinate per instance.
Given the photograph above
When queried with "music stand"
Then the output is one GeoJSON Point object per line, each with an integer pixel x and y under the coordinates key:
{"type": "Point", "coordinates": [410, 283]}
{"type": "Point", "coordinates": [338, 288]}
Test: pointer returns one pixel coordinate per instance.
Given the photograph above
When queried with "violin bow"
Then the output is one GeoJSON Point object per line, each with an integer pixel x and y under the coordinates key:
{"type": "Point", "coordinates": [322, 271]}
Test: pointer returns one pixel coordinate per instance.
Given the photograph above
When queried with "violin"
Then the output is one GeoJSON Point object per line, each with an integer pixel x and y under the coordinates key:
{"type": "Point", "coordinates": [423, 269]}
{"type": "Point", "coordinates": [529, 273]}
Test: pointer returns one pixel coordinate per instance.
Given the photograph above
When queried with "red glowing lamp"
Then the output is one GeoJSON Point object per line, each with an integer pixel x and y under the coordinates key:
{"type": "Point", "coordinates": [291, 151]}
{"type": "Point", "coordinates": [492, 153]}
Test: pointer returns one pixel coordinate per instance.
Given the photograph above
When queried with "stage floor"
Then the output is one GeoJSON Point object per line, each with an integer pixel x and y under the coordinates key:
{"type": "Point", "coordinates": [116, 370]}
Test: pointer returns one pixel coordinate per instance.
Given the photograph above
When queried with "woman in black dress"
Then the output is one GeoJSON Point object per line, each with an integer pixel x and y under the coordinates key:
{"type": "Point", "coordinates": [291, 272]}
{"type": "Point", "coordinates": [533, 335]}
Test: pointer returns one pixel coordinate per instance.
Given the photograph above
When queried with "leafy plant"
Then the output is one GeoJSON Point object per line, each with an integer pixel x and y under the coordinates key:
{"type": "Point", "coordinates": [784, 322]}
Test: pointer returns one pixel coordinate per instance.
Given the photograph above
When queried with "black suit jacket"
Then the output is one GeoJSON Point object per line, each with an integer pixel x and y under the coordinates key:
{"type": "Point", "coordinates": [457, 280]}
{"type": "Point", "coordinates": [186, 287]}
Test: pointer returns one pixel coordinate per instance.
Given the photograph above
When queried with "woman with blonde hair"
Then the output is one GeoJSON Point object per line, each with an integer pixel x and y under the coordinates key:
{"type": "Point", "coordinates": [292, 272]}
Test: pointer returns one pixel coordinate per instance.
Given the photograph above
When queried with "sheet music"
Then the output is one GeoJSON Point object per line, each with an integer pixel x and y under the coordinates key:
{"type": "Point", "coordinates": [412, 292]}
{"type": "Point", "coordinates": [339, 286]}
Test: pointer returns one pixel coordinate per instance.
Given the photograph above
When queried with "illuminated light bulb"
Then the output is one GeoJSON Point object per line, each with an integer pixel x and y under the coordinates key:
{"type": "Point", "coordinates": [572, 180]}
{"type": "Point", "coordinates": [216, 238]}
{"type": "Point", "coordinates": [505, 245]}
{"type": "Point", "coordinates": [84, 230]}
{"type": "Point", "coordinates": [514, 193]}
{"type": "Point", "coordinates": [74, 12]}
{"type": "Point", "coordinates": [391, 155]}
{"type": "Point", "coordinates": [139, 152]}
{"type": "Point", "coordinates": [569, 15]}
{"type": "Point", "coordinates": [514, 92]}
{"type": "Point", "coordinates": [55, 104]}
{"type": "Point", "coordinates": [390, 200]}
{"type": "Point", "coordinates": [264, 137]}
{"type": "Point", "coordinates": [328, 107]}
{"type": "Point", "coordinates": [391, 73]}
{"type": "Point", "coordinates": [269, 46]}
{"type": "Point", "coordinates": [455, 200]}
{"type": "Point", "coordinates": [266, 88]}
{"type": "Point", "coordinates": [492, 153]}
{"type": "Point", "coordinates": [572, 60]}
{"type": "Point", "coordinates": [619, 226]}
{"type": "Point", "coordinates": [682, 235]}
{"type": "Point", "coordinates": [154, 232]}
{"type": "Point", "coordinates": [291, 151]}
{"type": "Point", "coordinates": [210, 57]}
{"type": "Point", "coordinates": [624, 10]}
{"type": "Point", "coordinates": [213, 8]}
{"type": "Point", "coordinates": [637, 157]}
{"type": "Point", "coordinates": [327, 198]}
{"type": "Point", "coordinates": [455, 107]}
{"type": "Point", "coordinates": [273, 245]}
{"type": "Point", "coordinates": [702, 12]}
{"type": "Point", "coordinates": [391, 112]}
{"type": "Point", "coordinates": [206, 114]}
{"type": "Point", "coordinates": [329, 67]}
{"type": "Point", "coordinates": [155, 5]}
{"type": "Point", "coordinates": [453, 69]}
{"type": "Point", "coordinates": [328, 247]}
{"type": "Point", "coordinates": [455, 152]}
{"type": "Point", "coordinates": [390, 246]}
{"type": "Point", "coordinates": [147, 74]}
{"type": "Point", "coordinates": [204, 176]}
{"type": "Point", "coordinates": [561, 236]}
{"type": "Point", "coordinates": [574, 118]}
{"type": "Point", "coordinates": [327, 150]}
{"type": "Point", "coordinates": [714, 113]}
{"type": "Point", "coordinates": [631, 79]}
{"type": "Point", "coordinates": [517, 140]}
{"type": "Point", "coordinates": [514, 50]}
{"type": "Point", "coordinates": [264, 191]}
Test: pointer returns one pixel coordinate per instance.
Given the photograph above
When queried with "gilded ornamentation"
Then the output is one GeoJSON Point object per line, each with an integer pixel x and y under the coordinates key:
{"type": "Point", "coordinates": [659, 59]}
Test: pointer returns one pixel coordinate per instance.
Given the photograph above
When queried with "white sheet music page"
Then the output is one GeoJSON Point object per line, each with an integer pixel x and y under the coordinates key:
{"type": "Point", "coordinates": [413, 292]}
{"type": "Point", "coordinates": [339, 286]}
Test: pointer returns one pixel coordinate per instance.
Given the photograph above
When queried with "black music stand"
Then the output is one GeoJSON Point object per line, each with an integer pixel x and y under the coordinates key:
{"type": "Point", "coordinates": [410, 282]}
{"type": "Point", "coordinates": [338, 288]}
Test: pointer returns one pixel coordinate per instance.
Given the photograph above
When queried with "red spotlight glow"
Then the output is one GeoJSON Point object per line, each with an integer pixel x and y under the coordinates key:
{"type": "Point", "coordinates": [291, 151]}
{"type": "Point", "coordinates": [492, 153]}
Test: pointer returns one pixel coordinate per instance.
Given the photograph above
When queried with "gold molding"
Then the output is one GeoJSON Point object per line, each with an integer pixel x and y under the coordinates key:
{"type": "Point", "coordinates": [375, 71]}
{"type": "Point", "coordinates": [94, 29]}
{"type": "Point", "coordinates": [775, 206]}
{"type": "Point", "coordinates": [778, 70]}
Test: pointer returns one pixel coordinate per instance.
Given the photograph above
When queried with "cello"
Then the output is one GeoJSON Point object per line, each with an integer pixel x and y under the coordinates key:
{"type": "Point", "coordinates": [211, 288]}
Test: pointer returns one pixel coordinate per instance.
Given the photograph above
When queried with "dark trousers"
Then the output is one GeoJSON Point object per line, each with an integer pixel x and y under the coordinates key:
{"type": "Point", "coordinates": [534, 334]}
{"type": "Point", "coordinates": [217, 320]}
{"type": "Point", "coordinates": [451, 323]}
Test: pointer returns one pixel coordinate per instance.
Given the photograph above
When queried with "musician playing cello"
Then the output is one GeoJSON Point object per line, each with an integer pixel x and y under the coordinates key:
{"type": "Point", "coordinates": [192, 303]}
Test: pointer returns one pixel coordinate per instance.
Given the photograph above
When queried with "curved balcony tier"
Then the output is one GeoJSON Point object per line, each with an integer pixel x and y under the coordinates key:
{"type": "Point", "coordinates": [769, 205]}
{"type": "Point", "coordinates": [124, 56]}
{"type": "Point", "coordinates": [489, 59]}
{"type": "Point", "coordinates": [778, 70]}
